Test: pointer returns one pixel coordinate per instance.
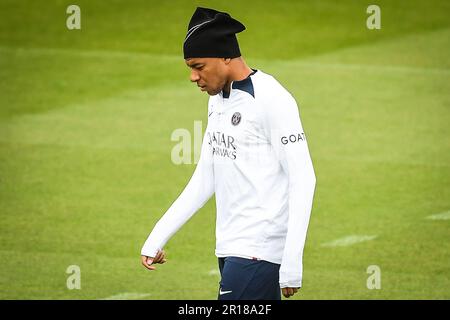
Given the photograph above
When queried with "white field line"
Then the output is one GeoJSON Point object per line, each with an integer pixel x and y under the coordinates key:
{"type": "Point", "coordinates": [294, 62]}
{"type": "Point", "coordinates": [127, 296]}
{"type": "Point", "coordinates": [213, 272]}
{"type": "Point", "coordinates": [348, 241]}
{"type": "Point", "coordinates": [440, 216]}
{"type": "Point", "coordinates": [86, 53]}
{"type": "Point", "coordinates": [369, 67]}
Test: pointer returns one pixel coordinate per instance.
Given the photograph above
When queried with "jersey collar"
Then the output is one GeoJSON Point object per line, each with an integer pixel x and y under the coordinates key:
{"type": "Point", "coordinates": [245, 85]}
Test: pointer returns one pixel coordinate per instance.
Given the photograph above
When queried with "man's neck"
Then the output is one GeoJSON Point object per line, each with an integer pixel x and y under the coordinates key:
{"type": "Point", "coordinates": [240, 71]}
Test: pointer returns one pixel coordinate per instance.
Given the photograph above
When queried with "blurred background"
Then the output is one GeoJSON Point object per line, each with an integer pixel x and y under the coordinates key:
{"type": "Point", "coordinates": [86, 118]}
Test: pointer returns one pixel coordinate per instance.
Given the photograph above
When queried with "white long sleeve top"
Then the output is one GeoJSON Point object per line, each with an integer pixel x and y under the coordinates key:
{"type": "Point", "coordinates": [256, 160]}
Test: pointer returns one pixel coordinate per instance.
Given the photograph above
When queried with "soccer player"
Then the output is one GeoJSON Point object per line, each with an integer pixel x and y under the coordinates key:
{"type": "Point", "coordinates": [255, 158]}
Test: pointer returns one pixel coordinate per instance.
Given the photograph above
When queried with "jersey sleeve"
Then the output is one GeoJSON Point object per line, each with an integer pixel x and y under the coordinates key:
{"type": "Point", "coordinates": [289, 142]}
{"type": "Point", "coordinates": [197, 192]}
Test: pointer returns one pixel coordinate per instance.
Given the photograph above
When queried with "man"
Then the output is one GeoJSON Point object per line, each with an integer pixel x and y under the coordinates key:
{"type": "Point", "coordinates": [255, 158]}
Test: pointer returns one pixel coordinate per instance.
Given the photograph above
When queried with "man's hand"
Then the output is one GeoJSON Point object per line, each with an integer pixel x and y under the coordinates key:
{"type": "Point", "coordinates": [288, 292]}
{"type": "Point", "coordinates": [149, 261]}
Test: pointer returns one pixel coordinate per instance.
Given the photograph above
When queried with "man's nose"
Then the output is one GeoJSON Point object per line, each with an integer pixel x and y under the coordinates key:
{"type": "Point", "coordinates": [194, 76]}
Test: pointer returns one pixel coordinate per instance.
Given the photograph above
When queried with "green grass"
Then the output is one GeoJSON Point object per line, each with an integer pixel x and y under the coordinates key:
{"type": "Point", "coordinates": [85, 124]}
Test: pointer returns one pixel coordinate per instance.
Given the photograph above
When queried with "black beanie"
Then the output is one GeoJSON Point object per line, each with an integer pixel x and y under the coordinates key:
{"type": "Point", "coordinates": [212, 34]}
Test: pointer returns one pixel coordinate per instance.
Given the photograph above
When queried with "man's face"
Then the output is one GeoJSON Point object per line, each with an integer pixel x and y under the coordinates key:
{"type": "Point", "coordinates": [210, 74]}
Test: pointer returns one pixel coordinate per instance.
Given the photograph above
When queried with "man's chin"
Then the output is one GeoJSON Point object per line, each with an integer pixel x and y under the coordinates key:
{"type": "Point", "coordinates": [212, 93]}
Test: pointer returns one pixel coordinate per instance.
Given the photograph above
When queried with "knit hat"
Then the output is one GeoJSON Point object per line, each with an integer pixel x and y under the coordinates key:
{"type": "Point", "coordinates": [212, 33]}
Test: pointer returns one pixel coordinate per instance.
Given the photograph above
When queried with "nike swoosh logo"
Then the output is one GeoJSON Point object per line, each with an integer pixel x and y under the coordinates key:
{"type": "Point", "coordinates": [210, 113]}
{"type": "Point", "coordinates": [224, 292]}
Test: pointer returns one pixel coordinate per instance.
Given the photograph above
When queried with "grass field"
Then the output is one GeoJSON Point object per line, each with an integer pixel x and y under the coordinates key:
{"type": "Point", "coordinates": [86, 118]}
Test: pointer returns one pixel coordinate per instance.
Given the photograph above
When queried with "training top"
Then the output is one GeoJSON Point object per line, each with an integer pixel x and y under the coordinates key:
{"type": "Point", "coordinates": [255, 158]}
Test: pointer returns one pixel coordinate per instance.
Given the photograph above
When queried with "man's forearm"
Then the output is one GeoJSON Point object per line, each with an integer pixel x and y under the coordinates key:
{"type": "Point", "coordinates": [197, 192]}
{"type": "Point", "coordinates": [300, 206]}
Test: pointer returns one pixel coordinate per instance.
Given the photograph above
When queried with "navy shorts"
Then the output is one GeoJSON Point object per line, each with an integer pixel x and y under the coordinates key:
{"type": "Point", "coordinates": [246, 279]}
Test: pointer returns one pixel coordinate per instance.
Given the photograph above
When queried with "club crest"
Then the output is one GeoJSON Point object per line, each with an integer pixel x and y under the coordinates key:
{"type": "Point", "coordinates": [236, 118]}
